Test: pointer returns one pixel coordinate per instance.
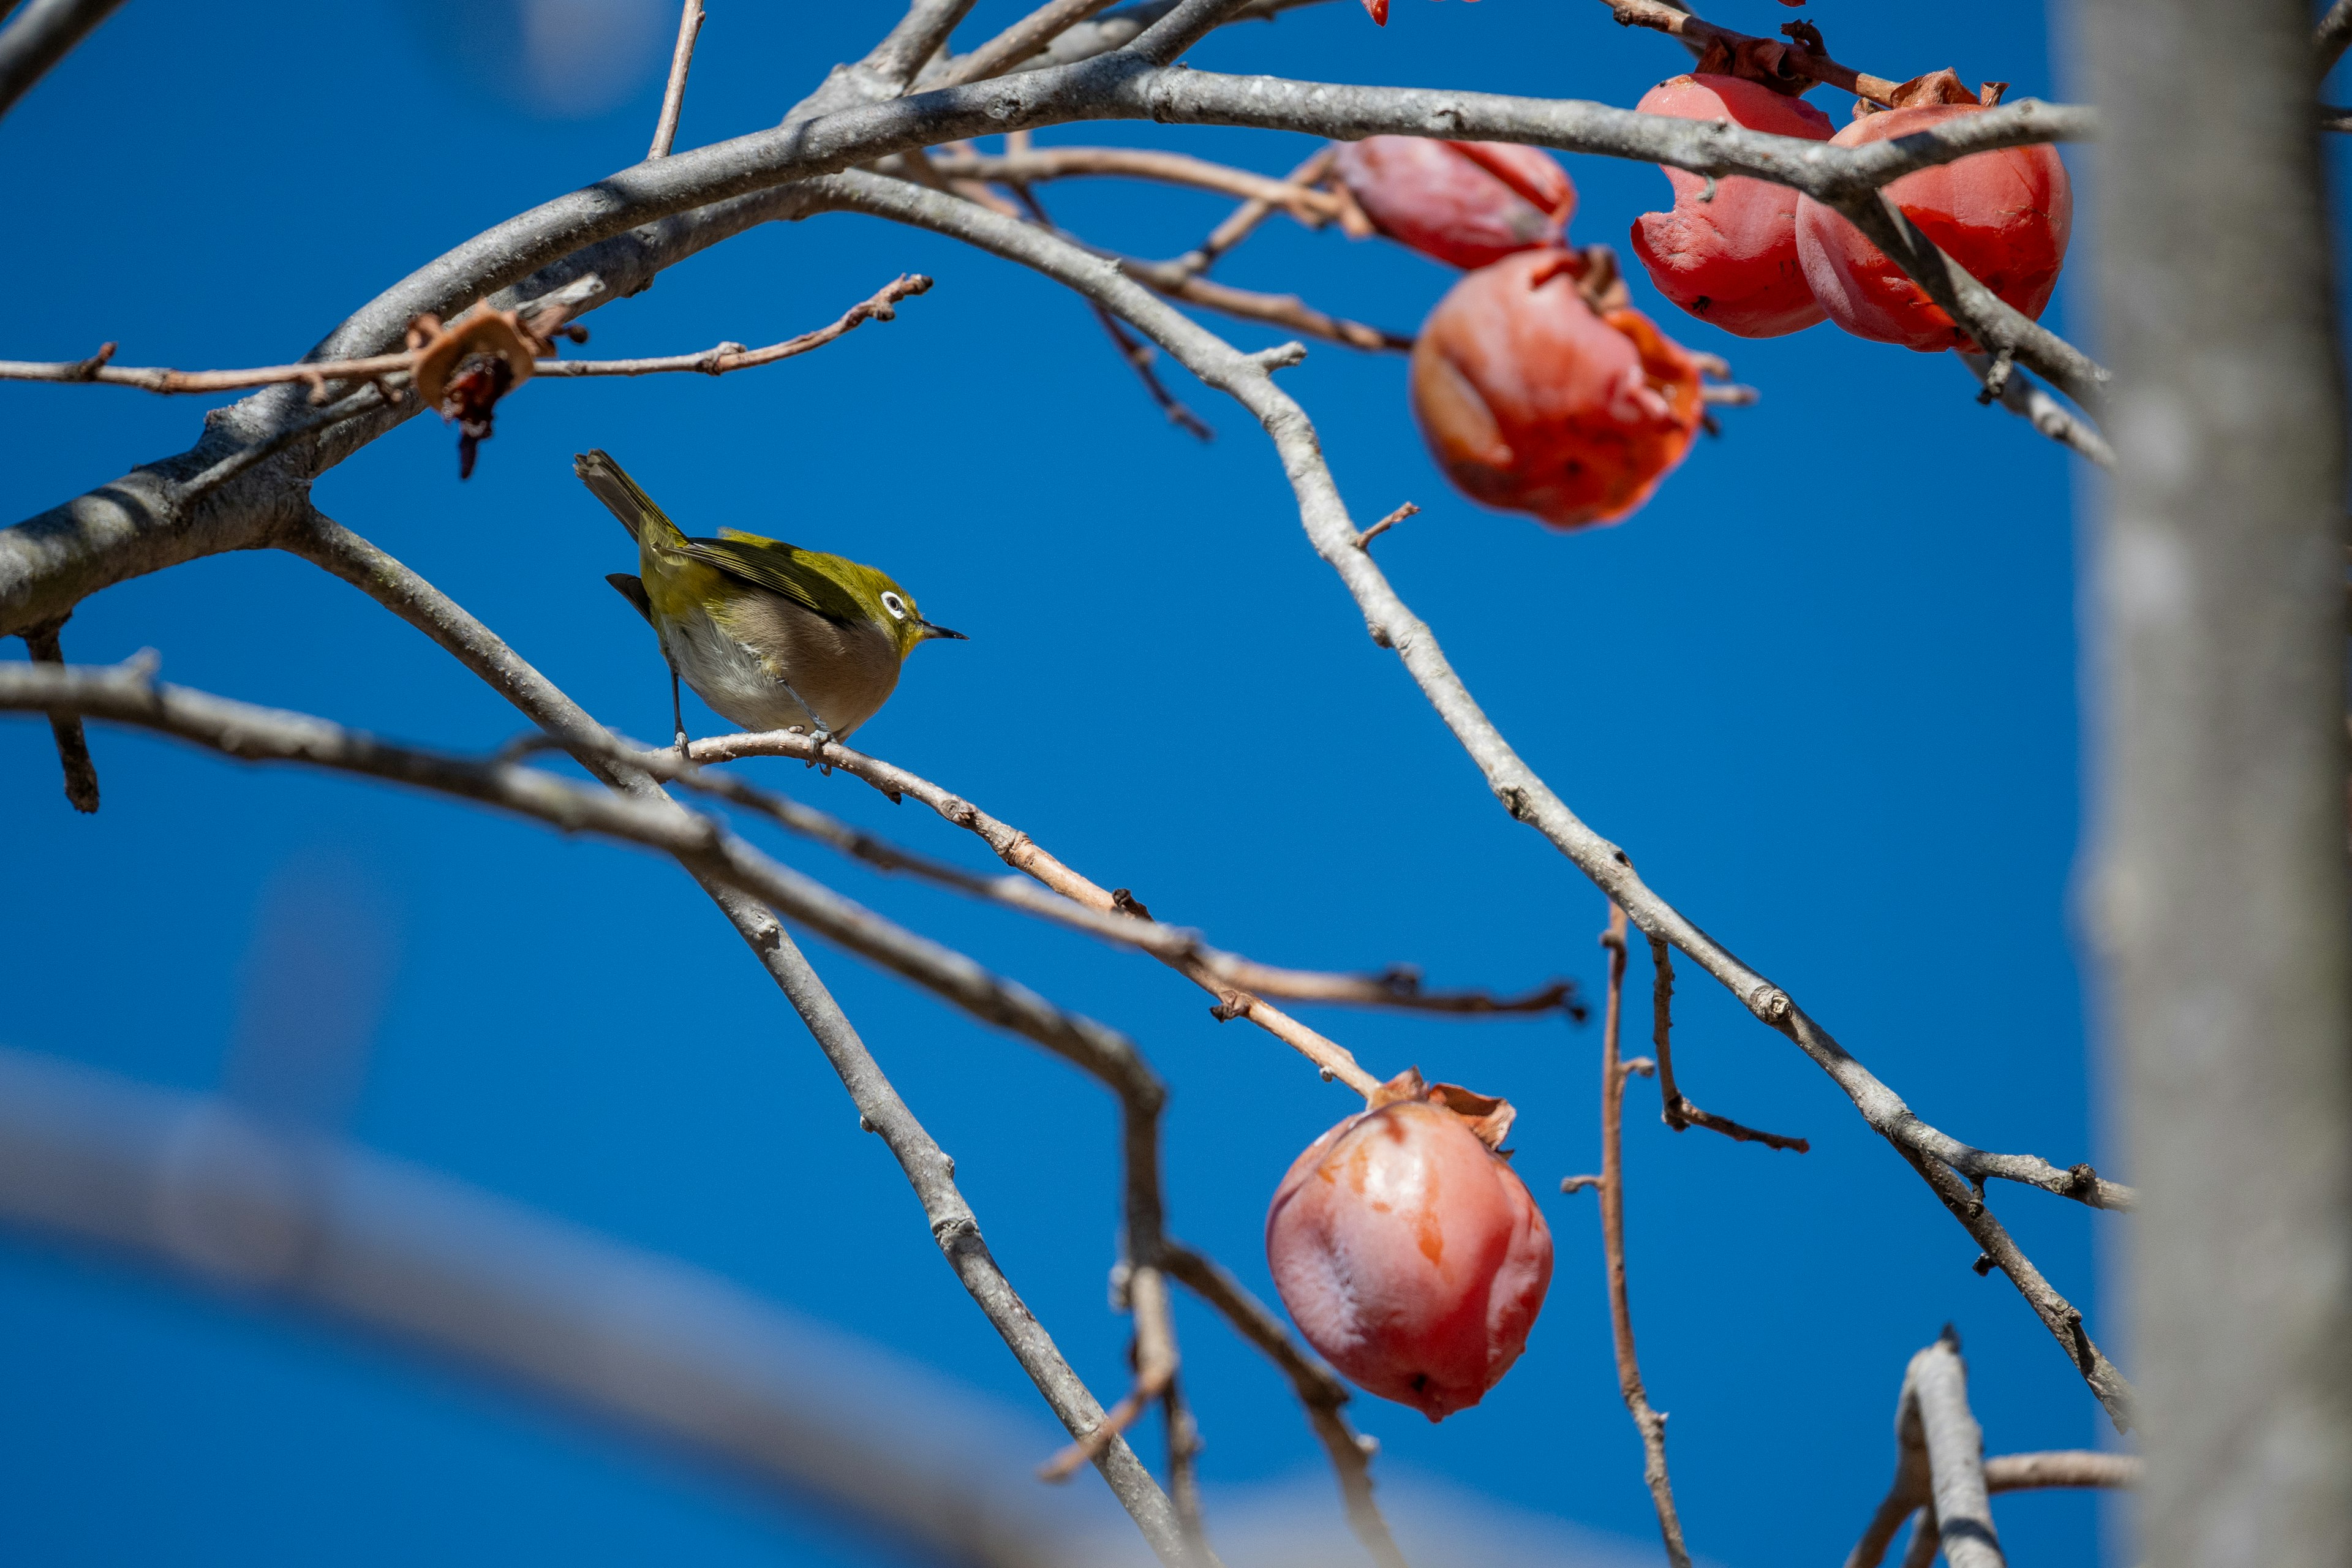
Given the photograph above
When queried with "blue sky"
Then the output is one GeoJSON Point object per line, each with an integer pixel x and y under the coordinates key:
{"type": "Point", "coordinates": [1822, 689]}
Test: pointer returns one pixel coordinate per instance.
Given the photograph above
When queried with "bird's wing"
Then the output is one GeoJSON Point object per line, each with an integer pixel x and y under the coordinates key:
{"type": "Point", "coordinates": [780, 568]}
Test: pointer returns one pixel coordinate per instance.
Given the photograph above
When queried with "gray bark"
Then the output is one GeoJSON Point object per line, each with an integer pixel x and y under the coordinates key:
{"type": "Point", "coordinates": [2218, 667]}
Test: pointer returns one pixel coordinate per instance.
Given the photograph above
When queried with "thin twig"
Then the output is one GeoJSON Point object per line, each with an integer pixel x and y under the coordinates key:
{"type": "Point", "coordinates": [1652, 1424]}
{"type": "Point", "coordinates": [1364, 539]}
{"type": "Point", "coordinates": [1679, 1112]}
{"type": "Point", "coordinates": [725, 357]}
{"type": "Point", "coordinates": [1023, 39]}
{"type": "Point", "coordinates": [1940, 1469]}
{"type": "Point", "coordinates": [41, 642]}
{"type": "Point", "coordinates": [1172, 279]}
{"type": "Point", "coordinates": [1318, 1389]}
{"type": "Point", "coordinates": [689, 24]}
{"type": "Point", "coordinates": [1244, 220]}
{"type": "Point", "coordinates": [2016, 392]}
{"type": "Point", "coordinates": [395, 369]}
{"type": "Point", "coordinates": [1799, 60]}
{"type": "Point", "coordinates": [1310, 207]}
{"type": "Point", "coordinates": [1155, 1373]}
{"type": "Point", "coordinates": [1183, 1439]}
{"type": "Point", "coordinates": [1234, 981]}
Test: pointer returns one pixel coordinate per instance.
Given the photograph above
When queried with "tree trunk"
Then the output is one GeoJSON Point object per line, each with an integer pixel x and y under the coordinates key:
{"type": "Point", "coordinates": [2220, 763]}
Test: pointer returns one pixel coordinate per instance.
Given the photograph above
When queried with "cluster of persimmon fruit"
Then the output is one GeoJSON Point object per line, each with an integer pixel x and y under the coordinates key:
{"type": "Point", "coordinates": [1537, 386]}
{"type": "Point", "coordinates": [1406, 1248]}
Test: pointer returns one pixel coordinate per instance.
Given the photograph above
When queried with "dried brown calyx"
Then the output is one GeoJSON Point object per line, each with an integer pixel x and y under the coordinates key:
{"type": "Point", "coordinates": [1488, 1116]}
{"type": "Point", "coordinates": [464, 367]}
{"type": "Point", "coordinates": [1594, 269]}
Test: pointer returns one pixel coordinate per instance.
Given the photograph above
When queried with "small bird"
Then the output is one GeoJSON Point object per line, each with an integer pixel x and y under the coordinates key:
{"type": "Point", "coordinates": [771, 635]}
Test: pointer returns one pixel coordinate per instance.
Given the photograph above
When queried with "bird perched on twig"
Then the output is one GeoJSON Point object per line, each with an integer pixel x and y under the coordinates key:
{"type": "Point", "coordinates": [771, 635]}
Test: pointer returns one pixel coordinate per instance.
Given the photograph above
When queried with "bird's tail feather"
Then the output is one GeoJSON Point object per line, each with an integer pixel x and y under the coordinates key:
{"type": "Point", "coordinates": [610, 483]}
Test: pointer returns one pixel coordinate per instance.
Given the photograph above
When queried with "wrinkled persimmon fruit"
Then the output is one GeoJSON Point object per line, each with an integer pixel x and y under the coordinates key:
{"type": "Point", "coordinates": [2004, 217]}
{"type": "Point", "coordinates": [1408, 1251]}
{"type": "Point", "coordinates": [1727, 251]}
{"type": "Point", "coordinates": [1531, 400]}
{"type": "Point", "coordinates": [1463, 203]}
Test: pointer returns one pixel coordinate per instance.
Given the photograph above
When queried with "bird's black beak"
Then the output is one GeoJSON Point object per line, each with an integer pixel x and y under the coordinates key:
{"type": "Point", "coordinates": [931, 629]}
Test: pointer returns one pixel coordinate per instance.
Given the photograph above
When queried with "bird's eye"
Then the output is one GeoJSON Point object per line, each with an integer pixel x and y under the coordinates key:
{"type": "Point", "coordinates": [896, 605]}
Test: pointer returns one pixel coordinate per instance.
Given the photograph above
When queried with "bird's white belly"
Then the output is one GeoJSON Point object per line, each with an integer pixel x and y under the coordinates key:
{"type": "Point", "coordinates": [730, 677]}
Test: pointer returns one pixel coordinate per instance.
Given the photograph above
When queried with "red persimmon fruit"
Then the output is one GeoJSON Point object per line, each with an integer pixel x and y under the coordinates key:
{"type": "Point", "coordinates": [1533, 401]}
{"type": "Point", "coordinates": [1463, 203]}
{"type": "Point", "coordinates": [2004, 217]}
{"type": "Point", "coordinates": [1727, 251]}
{"type": "Point", "coordinates": [1408, 1251]}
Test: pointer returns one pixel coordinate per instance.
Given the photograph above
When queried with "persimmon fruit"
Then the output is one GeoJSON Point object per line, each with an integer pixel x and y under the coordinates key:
{"type": "Point", "coordinates": [1532, 400]}
{"type": "Point", "coordinates": [1463, 203]}
{"type": "Point", "coordinates": [1408, 1251]}
{"type": "Point", "coordinates": [2004, 217]}
{"type": "Point", "coordinates": [1726, 252]}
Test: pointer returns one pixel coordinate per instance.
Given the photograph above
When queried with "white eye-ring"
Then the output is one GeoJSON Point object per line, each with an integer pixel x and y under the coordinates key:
{"type": "Point", "coordinates": [896, 605]}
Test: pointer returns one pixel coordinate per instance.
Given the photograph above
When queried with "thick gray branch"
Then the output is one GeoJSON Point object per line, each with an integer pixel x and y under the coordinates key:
{"type": "Point", "coordinates": [1935, 1401]}
{"type": "Point", "coordinates": [38, 35]}
{"type": "Point", "coordinates": [194, 1185]}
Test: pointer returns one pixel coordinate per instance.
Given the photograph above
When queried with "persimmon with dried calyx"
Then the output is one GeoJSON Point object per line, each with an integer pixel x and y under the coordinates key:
{"type": "Point", "coordinates": [1407, 1249]}
{"type": "Point", "coordinates": [1463, 203]}
{"type": "Point", "coordinates": [2004, 217]}
{"type": "Point", "coordinates": [1540, 390]}
{"type": "Point", "coordinates": [1727, 251]}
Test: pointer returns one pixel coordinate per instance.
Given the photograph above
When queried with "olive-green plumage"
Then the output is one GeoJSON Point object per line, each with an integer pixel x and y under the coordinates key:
{"type": "Point", "coordinates": [771, 635]}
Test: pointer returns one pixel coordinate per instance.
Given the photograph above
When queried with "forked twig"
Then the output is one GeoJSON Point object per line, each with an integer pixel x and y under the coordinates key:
{"type": "Point", "coordinates": [1679, 1112]}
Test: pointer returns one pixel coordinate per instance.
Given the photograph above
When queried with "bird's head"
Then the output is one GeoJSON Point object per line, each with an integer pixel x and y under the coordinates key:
{"type": "Point", "coordinates": [891, 607]}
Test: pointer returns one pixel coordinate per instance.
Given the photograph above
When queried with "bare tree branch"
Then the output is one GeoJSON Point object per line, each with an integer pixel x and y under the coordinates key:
{"type": "Point", "coordinates": [929, 1169]}
{"type": "Point", "coordinates": [689, 24]}
{"type": "Point", "coordinates": [1933, 1154]}
{"type": "Point", "coordinates": [191, 1184]}
{"type": "Point", "coordinates": [1318, 1389]}
{"type": "Point", "coordinates": [38, 35]}
{"type": "Point", "coordinates": [1018, 43]}
{"type": "Point", "coordinates": [2015, 390]}
{"type": "Point", "coordinates": [2334, 31]}
{"type": "Point", "coordinates": [1678, 1112]}
{"type": "Point", "coordinates": [1304, 202]}
{"type": "Point", "coordinates": [1216, 973]}
{"type": "Point", "coordinates": [880, 307]}
{"type": "Point", "coordinates": [1801, 61]}
{"type": "Point", "coordinates": [135, 525]}
{"type": "Point", "coordinates": [396, 370]}
{"type": "Point", "coordinates": [1944, 1396]}
{"type": "Point", "coordinates": [42, 644]}
{"type": "Point", "coordinates": [1243, 221]}
{"type": "Point", "coordinates": [1116, 917]}
{"type": "Point", "coordinates": [2062, 1467]}
{"type": "Point", "coordinates": [1651, 1423]}
{"type": "Point", "coordinates": [1936, 1400]}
